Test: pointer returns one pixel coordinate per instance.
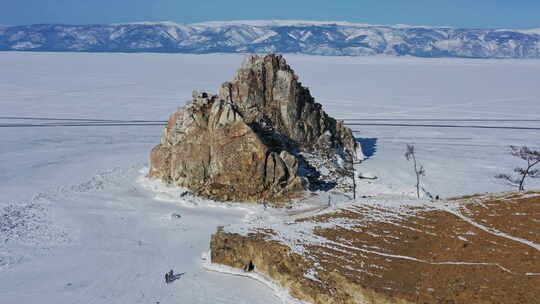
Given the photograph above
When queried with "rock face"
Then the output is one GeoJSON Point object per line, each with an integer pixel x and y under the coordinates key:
{"type": "Point", "coordinates": [243, 144]}
{"type": "Point", "coordinates": [270, 98]}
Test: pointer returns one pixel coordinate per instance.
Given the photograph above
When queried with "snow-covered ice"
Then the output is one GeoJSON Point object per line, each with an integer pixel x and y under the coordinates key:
{"type": "Point", "coordinates": [80, 224]}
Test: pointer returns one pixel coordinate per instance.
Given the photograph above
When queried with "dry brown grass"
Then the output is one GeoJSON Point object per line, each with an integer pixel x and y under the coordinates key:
{"type": "Point", "coordinates": [429, 256]}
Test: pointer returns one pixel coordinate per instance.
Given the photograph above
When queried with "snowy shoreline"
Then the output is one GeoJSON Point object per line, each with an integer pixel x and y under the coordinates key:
{"type": "Point", "coordinates": [280, 292]}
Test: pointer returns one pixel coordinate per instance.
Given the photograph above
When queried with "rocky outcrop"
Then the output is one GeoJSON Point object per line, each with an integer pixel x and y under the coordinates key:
{"type": "Point", "coordinates": [244, 144]}
{"type": "Point", "coordinates": [484, 249]}
{"type": "Point", "coordinates": [267, 93]}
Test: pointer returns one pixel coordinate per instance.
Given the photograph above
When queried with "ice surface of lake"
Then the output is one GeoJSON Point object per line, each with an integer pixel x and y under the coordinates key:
{"type": "Point", "coordinates": [78, 226]}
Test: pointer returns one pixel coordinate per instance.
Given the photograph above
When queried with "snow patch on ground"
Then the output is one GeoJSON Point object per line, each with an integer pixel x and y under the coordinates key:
{"type": "Point", "coordinates": [455, 209]}
{"type": "Point", "coordinates": [183, 197]}
{"type": "Point", "coordinates": [28, 225]}
{"type": "Point", "coordinates": [281, 293]}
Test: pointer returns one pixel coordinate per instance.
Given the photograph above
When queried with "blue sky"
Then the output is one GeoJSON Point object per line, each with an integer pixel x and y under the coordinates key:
{"type": "Point", "coordinates": [459, 13]}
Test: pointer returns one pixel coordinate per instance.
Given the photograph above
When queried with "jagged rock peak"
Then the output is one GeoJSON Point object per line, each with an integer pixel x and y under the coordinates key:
{"type": "Point", "coordinates": [267, 93]}
{"type": "Point", "coordinates": [245, 144]}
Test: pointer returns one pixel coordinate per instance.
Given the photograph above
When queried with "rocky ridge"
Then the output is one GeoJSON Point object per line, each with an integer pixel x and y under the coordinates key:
{"type": "Point", "coordinates": [246, 143]}
{"type": "Point", "coordinates": [314, 38]}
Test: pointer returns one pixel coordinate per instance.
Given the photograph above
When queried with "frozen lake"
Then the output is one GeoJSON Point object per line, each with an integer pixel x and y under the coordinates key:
{"type": "Point", "coordinates": [79, 227]}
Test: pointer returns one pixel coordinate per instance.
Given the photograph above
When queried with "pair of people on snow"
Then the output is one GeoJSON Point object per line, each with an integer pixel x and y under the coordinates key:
{"type": "Point", "coordinates": [169, 276]}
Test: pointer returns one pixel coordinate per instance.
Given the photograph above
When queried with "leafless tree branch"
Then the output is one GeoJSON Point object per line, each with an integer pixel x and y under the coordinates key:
{"type": "Point", "coordinates": [418, 169]}
{"type": "Point", "coordinates": [532, 157]}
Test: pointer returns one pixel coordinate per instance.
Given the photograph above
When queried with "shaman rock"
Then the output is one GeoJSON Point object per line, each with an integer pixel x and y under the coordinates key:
{"type": "Point", "coordinates": [244, 144]}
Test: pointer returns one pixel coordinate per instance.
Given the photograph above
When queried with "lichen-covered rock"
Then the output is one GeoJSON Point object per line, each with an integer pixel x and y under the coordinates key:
{"type": "Point", "coordinates": [243, 144]}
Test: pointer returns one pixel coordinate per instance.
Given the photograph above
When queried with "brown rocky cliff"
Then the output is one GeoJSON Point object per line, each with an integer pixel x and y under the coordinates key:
{"type": "Point", "coordinates": [243, 145]}
{"type": "Point", "coordinates": [209, 149]}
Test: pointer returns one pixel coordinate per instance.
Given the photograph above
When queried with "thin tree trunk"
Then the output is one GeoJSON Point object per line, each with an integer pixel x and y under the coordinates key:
{"type": "Point", "coordinates": [417, 186]}
{"type": "Point", "coordinates": [522, 181]}
{"type": "Point", "coordinates": [353, 180]}
{"type": "Point", "coordinates": [354, 183]}
{"type": "Point", "coordinates": [417, 177]}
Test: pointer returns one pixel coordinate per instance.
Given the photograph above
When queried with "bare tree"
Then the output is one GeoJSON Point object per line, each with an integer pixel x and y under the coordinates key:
{"type": "Point", "coordinates": [350, 165]}
{"type": "Point", "coordinates": [418, 169]}
{"type": "Point", "coordinates": [354, 182]}
{"type": "Point", "coordinates": [532, 157]}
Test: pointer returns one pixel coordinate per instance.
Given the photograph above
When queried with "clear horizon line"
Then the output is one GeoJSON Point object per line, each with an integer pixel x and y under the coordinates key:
{"type": "Point", "coordinates": [282, 22]}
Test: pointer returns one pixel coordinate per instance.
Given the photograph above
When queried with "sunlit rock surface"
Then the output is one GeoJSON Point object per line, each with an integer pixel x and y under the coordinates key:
{"type": "Point", "coordinates": [245, 144]}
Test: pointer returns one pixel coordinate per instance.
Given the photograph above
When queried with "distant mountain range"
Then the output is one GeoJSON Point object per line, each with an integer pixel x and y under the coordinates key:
{"type": "Point", "coordinates": [314, 38]}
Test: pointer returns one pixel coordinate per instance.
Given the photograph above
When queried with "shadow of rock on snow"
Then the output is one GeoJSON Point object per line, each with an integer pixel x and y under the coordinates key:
{"type": "Point", "coordinates": [369, 146]}
{"type": "Point", "coordinates": [316, 181]}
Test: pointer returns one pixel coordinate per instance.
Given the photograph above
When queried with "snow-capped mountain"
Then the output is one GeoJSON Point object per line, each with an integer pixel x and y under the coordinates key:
{"type": "Point", "coordinates": [307, 37]}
